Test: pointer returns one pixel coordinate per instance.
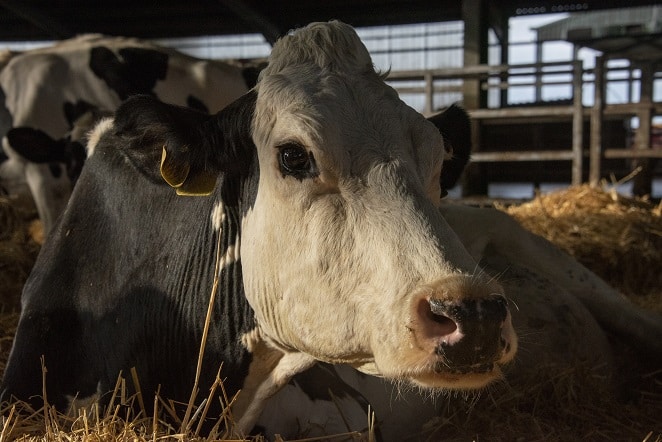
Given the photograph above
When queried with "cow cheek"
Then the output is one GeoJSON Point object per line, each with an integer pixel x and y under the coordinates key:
{"type": "Point", "coordinates": [297, 288]}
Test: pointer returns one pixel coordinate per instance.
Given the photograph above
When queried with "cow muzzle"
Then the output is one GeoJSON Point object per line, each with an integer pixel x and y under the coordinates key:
{"type": "Point", "coordinates": [464, 339]}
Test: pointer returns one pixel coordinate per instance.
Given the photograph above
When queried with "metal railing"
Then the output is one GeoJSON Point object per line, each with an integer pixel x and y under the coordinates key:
{"type": "Point", "coordinates": [502, 77]}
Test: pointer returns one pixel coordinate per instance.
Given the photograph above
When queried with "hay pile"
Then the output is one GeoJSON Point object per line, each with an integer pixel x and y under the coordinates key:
{"type": "Point", "coordinates": [551, 405]}
{"type": "Point", "coordinates": [618, 238]}
{"type": "Point", "coordinates": [19, 245]}
{"type": "Point", "coordinates": [116, 422]}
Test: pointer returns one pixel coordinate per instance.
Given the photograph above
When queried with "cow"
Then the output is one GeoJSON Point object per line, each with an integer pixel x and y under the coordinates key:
{"type": "Point", "coordinates": [47, 89]}
{"type": "Point", "coordinates": [303, 220]}
{"type": "Point", "coordinates": [287, 170]}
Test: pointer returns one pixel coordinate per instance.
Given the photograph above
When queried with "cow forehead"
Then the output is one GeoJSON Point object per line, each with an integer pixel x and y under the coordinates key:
{"type": "Point", "coordinates": [320, 87]}
{"type": "Point", "coordinates": [333, 46]}
{"type": "Point", "coordinates": [355, 110]}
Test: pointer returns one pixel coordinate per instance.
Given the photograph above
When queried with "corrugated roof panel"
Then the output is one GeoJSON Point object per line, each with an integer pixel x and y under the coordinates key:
{"type": "Point", "coordinates": [607, 23]}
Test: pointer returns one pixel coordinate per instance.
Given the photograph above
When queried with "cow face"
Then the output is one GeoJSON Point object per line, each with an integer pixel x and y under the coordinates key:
{"type": "Point", "coordinates": [345, 255]}
{"type": "Point", "coordinates": [344, 252]}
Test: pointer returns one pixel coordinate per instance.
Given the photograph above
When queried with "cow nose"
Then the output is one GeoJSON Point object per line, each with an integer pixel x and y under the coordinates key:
{"type": "Point", "coordinates": [467, 335]}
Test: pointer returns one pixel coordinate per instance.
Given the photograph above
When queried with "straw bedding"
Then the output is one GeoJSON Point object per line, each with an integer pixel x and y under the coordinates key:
{"type": "Point", "coordinates": [619, 238]}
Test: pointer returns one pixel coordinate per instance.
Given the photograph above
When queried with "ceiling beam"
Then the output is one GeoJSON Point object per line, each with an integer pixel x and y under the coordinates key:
{"type": "Point", "coordinates": [254, 18]}
{"type": "Point", "coordinates": [47, 24]}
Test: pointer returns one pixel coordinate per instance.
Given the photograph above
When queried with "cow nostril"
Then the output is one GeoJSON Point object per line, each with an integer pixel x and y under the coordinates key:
{"type": "Point", "coordinates": [436, 323]}
{"type": "Point", "coordinates": [446, 324]}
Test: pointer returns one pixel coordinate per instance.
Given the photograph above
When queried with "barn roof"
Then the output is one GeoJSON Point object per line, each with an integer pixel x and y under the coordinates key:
{"type": "Point", "coordinates": [30, 20]}
{"type": "Point", "coordinates": [633, 32]}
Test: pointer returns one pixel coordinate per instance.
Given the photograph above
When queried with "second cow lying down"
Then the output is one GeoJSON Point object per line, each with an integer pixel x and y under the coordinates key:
{"type": "Point", "coordinates": [320, 239]}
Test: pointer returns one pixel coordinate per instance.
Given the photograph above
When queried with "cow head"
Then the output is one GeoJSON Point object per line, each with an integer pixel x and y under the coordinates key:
{"type": "Point", "coordinates": [66, 153]}
{"type": "Point", "coordinates": [345, 255]}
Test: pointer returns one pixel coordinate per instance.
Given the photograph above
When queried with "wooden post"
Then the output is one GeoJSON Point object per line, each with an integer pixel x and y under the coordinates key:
{"type": "Point", "coordinates": [474, 15]}
{"type": "Point", "coordinates": [504, 60]}
{"type": "Point", "coordinates": [595, 154]}
{"type": "Point", "coordinates": [429, 94]}
{"type": "Point", "coordinates": [642, 182]}
{"type": "Point", "coordinates": [577, 122]}
{"type": "Point", "coordinates": [538, 86]}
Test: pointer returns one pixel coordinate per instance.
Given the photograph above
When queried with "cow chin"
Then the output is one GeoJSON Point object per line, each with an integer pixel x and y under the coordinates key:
{"type": "Point", "coordinates": [430, 375]}
{"type": "Point", "coordinates": [459, 381]}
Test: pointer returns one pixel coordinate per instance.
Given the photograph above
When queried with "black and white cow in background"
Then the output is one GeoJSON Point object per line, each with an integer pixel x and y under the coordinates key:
{"type": "Point", "coordinates": [322, 224]}
{"type": "Point", "coordinates": [45, 90]}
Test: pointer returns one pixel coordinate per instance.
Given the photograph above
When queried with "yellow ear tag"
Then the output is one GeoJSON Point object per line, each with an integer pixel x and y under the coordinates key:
{"type": "Point", "coordinates": [174, 174]}
{"type": "Point", "coordinates": [198, 184]}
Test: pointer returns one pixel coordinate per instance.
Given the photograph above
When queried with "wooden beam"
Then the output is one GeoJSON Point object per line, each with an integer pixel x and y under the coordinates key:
{"type": "Point", "coordinates": [474, 15]}
{"type": "Point", "coordinates": [577, 123]}
{"type": "Point", "coordinates": [597, 113]}
{"type": "Point", "coordinates": [269, 30]}
{"type": "Point", "coordinates": [42, 21]}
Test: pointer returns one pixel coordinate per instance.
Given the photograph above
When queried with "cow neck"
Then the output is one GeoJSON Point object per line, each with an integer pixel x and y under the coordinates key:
{"type": "Point", "coordinates": [269, 371]}
{"type": "Point", "coordinates": [270, 368]}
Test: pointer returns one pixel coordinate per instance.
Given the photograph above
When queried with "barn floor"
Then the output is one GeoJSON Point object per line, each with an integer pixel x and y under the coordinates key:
{"type": "Point", "coordinates": [566, 406]}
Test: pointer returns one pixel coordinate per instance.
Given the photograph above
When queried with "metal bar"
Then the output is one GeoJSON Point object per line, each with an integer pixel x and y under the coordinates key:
{"type": "Point", "coordinates": [483, 69]}
{"type": "Point", "coordinates": [633, 153]}
{"type": "Point", "coordinates": [560, 155]}
{"type": "Point", "coordinates": [507, 85]}
{"type": "Point", "coordinates": [630, 109]}
{"type": "Point", "coordinates": [523, 112]}
{"type": "Point", "coordinates": [425, 90]}
{"type": "Point", "coordinates": [538, 155]}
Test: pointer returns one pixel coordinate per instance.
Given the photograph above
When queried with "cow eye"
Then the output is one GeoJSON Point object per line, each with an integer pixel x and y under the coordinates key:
{"type": "Point", "coordinates": [295, 160]}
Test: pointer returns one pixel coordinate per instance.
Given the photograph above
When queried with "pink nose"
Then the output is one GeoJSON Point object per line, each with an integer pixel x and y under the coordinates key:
{"type": "Point", "coordinates": [467, 335]}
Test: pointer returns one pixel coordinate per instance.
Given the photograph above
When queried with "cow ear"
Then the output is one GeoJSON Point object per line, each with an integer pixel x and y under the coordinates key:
{"type": "Point", "coordinates": [35, 145]}
{"type": "Point", "coordinates": [183, 147]}
{"type": "Point", "coordinates": [228, 148]}
{"type": "Point", "coordinates": [455, 127]}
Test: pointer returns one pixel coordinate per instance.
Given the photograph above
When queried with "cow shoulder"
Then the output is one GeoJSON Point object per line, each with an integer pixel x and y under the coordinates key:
{"type": "Point", "coordinates": [191, 147]}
